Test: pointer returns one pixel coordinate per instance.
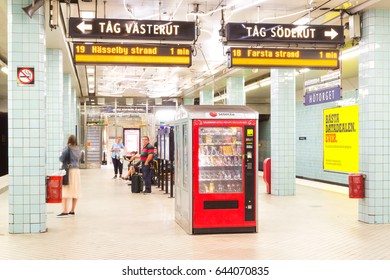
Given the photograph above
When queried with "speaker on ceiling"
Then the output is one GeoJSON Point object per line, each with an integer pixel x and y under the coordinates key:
{"type": "Point", "coordinates": [33, 7]}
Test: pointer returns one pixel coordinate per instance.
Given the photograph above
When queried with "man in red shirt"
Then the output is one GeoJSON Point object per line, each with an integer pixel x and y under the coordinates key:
{"type": "Point", "coordinates": [147, 155]}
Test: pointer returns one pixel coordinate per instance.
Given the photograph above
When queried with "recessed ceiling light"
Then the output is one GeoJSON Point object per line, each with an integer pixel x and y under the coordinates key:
{"type": "Point", "coordinates": [87, 14]}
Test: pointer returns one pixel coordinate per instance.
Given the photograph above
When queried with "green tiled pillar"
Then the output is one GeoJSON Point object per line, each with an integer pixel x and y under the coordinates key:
{"type": "Point", "coordinates": [75, 114]}
{"type": "Point", "coordinates": [283, 131]}
{"type": "Point", "coordinates": [67, 108]}
{"type": "Point", "coordinates": [188, 101]}
{"type": "Point", "coordinates": [26, 121]}
{"type": "Point", "coordinates": [374, 116]}
{"type": "Point", "coordinates": [235, 91]}
{"type": "Point", "coordinates": [54, 110]}
{"type": "Point", "coordinates": [206, 96]}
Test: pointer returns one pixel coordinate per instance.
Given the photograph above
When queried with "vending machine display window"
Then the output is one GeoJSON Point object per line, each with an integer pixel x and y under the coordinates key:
{"type": "Point", "coordinates": [220, 164]}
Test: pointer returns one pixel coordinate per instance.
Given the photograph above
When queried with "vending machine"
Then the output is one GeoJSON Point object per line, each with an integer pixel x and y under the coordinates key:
{"type": "Point", "coordinates": [216, 177]}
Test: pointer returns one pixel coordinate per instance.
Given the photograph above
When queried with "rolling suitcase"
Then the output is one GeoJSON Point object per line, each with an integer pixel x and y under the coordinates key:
{"type": "Point", "coordinates": [137, 183]}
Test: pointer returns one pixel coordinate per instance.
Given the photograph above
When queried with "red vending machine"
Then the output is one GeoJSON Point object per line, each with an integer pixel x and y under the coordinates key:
{"type": "Point", "coordinates": [223, 173]}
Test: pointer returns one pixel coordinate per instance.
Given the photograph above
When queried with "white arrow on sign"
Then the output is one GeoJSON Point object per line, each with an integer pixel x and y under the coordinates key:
{"type": "Point", "coordinates": [83, 27]}
{"type": "Point", "coordinates": [332, 34]}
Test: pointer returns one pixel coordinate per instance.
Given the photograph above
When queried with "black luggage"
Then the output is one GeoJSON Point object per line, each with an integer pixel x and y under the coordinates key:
{"type": "Point", "coordinates": [137, 183]}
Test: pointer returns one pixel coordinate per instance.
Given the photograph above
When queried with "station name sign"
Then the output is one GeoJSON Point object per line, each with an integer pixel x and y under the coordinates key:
{"type": "Point", "coordinates": [289, 33]}
{"type": "Point", "coordinates": [118, 54]}
{"type": "Point", "coordinates": [132, 29]}
{"type": "Point", "coordinates": [294, 58]}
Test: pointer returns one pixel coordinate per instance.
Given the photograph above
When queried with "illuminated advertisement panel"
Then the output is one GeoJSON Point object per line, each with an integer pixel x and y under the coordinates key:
{"type": "Point", "coordinates": [341, 139]}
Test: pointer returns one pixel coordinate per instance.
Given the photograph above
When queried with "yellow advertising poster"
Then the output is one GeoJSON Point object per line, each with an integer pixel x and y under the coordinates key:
{"type": "Point", "coordinates": [341, 139]}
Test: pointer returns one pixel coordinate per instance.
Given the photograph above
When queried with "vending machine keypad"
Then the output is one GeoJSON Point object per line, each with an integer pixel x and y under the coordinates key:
{"type": "Point", "coordinates": [250, 173]}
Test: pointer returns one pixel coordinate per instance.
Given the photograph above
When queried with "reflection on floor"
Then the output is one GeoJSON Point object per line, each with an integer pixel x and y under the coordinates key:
{"type": "Point", "coordinates": [112, 223]}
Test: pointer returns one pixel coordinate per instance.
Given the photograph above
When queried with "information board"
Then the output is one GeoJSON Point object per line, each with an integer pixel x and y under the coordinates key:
{"type": "Point", "coordinates": [272, 57]}
{"type": "Point", "coordinates": [118, 54]}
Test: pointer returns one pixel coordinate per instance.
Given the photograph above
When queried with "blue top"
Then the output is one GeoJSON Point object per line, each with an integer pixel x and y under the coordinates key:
{"type": "Point", "coordinates": [72, 153]}
{"type": "Point", "coordinates": [116, 146]}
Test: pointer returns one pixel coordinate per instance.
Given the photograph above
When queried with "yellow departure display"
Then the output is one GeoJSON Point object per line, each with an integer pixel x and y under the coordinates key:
{"type": "Point", "coordinates": [116, 54]}
{"type": "Point", "coordinates": [301, 58]}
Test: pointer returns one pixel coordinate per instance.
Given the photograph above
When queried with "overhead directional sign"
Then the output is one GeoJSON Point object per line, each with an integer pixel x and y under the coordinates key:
{"type": "Point", "coordinates": [294, 58]}
{"type": "Point", "coordinates": [118, 54]}
{"type": "Point", "coordinates": [132, 29]}
{"type": "Point", "coordinates": [260, 33]}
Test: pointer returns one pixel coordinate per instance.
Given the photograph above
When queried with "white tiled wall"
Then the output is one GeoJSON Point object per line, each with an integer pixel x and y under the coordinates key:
{"type": "Point", "coordinates": [54, 110]}
{"type": "Point", "coordinates": [310, 152]}
{"type": "Point", "coordinates": [26, 121]}
{"type": "Point", "coordinates": [374, 115]}
{"type": "Point", "coordinates": [283, 132]}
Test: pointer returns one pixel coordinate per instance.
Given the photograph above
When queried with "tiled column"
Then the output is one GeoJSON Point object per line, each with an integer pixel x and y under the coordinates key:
{"type": "Point", "coordinates": [235, 91]}
{"type": "Point", "coordinates": [67, 108]}
{"type": "Point", "coordinates": [206, 96]}
{"type": "Point", "coordinates": [74, 113]}
{"type": "Point", "coordinates": [282, 132]}
{"type": "Point", "coordinates": [188, 101]}
{"type": "Point", "coordinates": [54, 110]}
{"type": "Point", "coordinates": [374, 116]}
{"type": "Point", "coordinates": [26, 121]}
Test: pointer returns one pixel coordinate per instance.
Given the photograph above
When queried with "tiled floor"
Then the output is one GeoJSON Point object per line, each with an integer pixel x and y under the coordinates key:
{"type": "Point", "coordinates": [112, 223]}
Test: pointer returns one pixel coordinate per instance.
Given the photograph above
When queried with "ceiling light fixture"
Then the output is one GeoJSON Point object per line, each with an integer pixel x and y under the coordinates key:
{"type": "Point", "coordinates": [220, 97]}
{"type": "Point", "coordinates": [288, 15]}
{"type": "Point", "coordinates": [4, 66]}
{"type": "Point", "coordinates": [247, 6]}
{"type": "Point", "coordinates": [198, 81]}
{"type": "Point", "coordinates": [265, 82]}
{"type": "Point", "coordinates": [302, 21]}
{"type": "Point", "coordinates": [87, 14]}
{"type": "Point", "coordinates": [251, 87]}
{"type": "Point", "coordinates": [90, 70]}
{"type": "Point", "coordinates": [350, 53]}
{"type": "Point", "coordinates": [197, 13]}
{"type": "Point", "coordinates": [4, 69]}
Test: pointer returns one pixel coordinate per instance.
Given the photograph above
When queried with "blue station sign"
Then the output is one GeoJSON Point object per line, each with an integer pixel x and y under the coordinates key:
{"type": "Point", "coordinates": [323, 96]}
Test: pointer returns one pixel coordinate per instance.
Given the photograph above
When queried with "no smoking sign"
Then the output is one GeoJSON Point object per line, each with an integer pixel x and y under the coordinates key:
{"type": "Point", "coordinates": [25, 76]}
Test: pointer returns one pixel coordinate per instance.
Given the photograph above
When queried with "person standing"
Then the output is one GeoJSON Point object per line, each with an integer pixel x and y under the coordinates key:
{"type": "Point", "coordinates": [116, 153]}
{"type": "Point", "coordinates": [147, 155]}
{"type": "Point", "coordinates": [71, 154]}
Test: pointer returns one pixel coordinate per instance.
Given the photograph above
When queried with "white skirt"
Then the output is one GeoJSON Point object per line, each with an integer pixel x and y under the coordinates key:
{"type": "Point", "coordinates": [73, 189]}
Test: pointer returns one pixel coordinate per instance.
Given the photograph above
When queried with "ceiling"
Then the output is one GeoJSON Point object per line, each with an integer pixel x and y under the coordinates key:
{"type": "Point", "coordinates": [209, 63]}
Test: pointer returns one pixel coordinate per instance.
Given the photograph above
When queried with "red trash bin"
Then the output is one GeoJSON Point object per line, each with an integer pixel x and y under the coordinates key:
{"type": "Point", "coordinates": [53, 189]}
{"type": "Point", "coordinates": [267, 174]}
{"type": "Point", "coordinates": [356, 185]}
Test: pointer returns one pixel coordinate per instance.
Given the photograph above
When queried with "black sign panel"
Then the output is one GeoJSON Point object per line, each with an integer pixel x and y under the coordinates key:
{"type": "Point", "coordinates": [258, 33]}
{"type": "Point", "coordinates": [132, 29]}
{"type": "Point", "coordinates": [293, 58]}
{"type": "Point", "coordinates": [118, 54]}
